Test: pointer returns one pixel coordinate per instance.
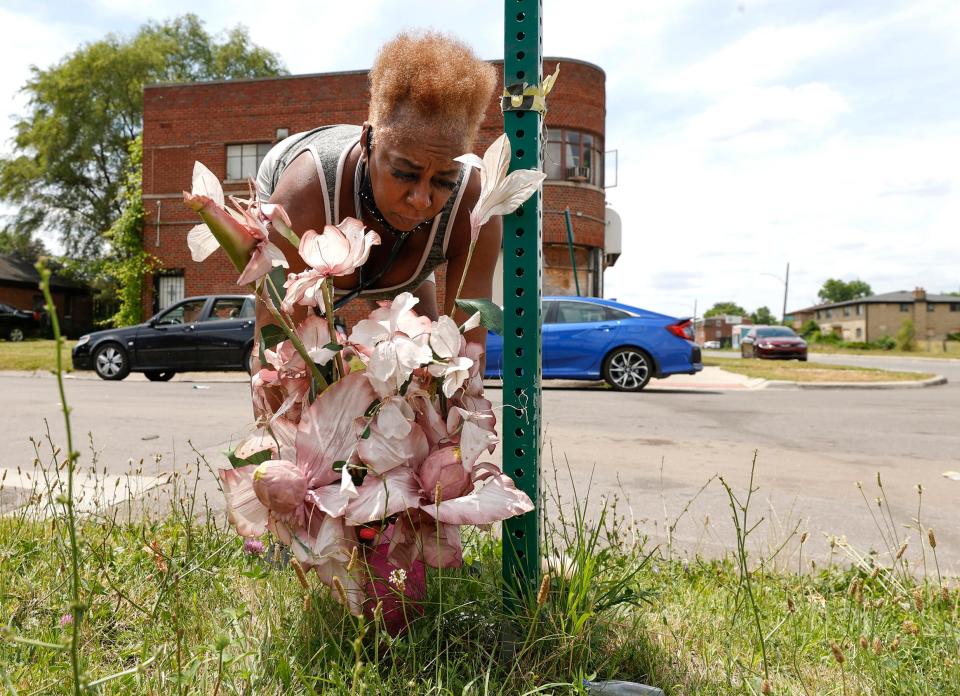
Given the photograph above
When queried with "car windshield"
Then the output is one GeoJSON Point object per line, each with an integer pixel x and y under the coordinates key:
{"type": "Point", "coordinates": [776, 332]}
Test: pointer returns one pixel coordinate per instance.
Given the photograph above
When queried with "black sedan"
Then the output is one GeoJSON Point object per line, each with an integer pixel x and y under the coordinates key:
{"type": "Point", "coordinates": [213, 332]}
{"type": "Point", "coordinates": [773, 342]}
{"type": "Point", "coordinates": [16, 324]}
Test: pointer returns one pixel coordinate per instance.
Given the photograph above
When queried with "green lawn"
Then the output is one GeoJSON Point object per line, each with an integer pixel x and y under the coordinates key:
{"type": "Point", "coordinates": [796, 371]}
{"type": "Point", "coordinates": [37, 354]}
{"type": "Point", "coordinates": [175, 607]}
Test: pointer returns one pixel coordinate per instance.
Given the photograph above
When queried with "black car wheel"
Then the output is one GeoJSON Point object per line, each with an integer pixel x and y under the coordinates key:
{"type": "Point", "coordinates": [248, 360]}
{"type": "Point", "coordinates": [110, 362]}
{"type": "Point", "coordinates": [159, 375]}
{"type": "Point", "coordinates": [627, 369]}
{"type": "Point", "coordinates": [15, 335]}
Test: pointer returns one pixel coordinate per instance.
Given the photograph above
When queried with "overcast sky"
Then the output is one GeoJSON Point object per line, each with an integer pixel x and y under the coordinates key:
{"type": "Point", "coordinates": [751, 133]}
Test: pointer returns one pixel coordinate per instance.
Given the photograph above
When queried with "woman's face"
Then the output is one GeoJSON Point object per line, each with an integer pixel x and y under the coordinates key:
{"type": "Point", "coordinates": [412, 179]}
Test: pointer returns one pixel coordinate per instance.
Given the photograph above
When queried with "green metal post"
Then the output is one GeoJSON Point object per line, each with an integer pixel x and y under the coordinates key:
{"type": "Point", "coordinates": [522, 274]}
{"type": "Point", "coordinates": [573, 258]}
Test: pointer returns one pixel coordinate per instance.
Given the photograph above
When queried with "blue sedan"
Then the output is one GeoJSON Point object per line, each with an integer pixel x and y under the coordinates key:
{"type": "Point", "coordinates": [590, 338]}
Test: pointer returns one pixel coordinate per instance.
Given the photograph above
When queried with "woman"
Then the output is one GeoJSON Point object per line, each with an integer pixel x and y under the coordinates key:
{"type": "Point", "coordinates": [396, 173]}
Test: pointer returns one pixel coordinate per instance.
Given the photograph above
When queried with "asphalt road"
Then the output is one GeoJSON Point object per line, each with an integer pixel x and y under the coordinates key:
{"type": "Point", "coordinates": [657, 451]}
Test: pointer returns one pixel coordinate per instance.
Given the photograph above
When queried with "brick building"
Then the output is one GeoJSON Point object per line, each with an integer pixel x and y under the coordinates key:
{"type": "Point", "coordinates": [229, 126]}
{"type": "Point", "coordinates": [871, 318]}
{"type": "Point", "coordinates": [20, 288]}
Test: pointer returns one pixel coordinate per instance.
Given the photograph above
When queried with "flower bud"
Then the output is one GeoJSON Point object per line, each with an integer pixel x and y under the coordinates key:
{"type": "Point", "coordinates": [444, 470]}
{"type": "Point", "coordinates": [280, 486]}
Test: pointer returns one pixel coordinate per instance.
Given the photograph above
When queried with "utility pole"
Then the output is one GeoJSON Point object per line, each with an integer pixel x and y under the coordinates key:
{"type": "Point", "coordinates": [786, 285]}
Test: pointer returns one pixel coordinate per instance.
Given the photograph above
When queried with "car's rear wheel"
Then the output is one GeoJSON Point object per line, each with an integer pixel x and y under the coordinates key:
{"type": "Point", "coordinates": [248, 360]}
{"type": "Point", "coordinates": [16, 334]}
{"type": "Point", "coordinates": [159, 375]}
{"type": "Point", "coordinates": [110, 362]}
{"type": "Point", "coordinates": [628, 369]}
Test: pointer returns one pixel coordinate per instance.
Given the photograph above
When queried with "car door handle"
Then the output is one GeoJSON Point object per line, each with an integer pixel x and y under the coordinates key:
{"type": "Point", "coordinates": [189, 327]}
{"type": "Point", "coordinates": [606, 327]}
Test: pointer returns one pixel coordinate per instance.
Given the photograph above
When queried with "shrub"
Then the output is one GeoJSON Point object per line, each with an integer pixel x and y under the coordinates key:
{"type": "Point", "coordinates": [905, 336]}
{"type": "Point", "coordinates": [810, 330]}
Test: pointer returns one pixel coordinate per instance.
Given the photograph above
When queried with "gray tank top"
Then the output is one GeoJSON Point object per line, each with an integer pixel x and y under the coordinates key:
{"type": "Point", "coordinates": [329, 147]}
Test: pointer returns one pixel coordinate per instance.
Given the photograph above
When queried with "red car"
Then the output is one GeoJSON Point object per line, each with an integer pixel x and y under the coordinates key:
{"type": "Point", "coordinates": [773, 342]}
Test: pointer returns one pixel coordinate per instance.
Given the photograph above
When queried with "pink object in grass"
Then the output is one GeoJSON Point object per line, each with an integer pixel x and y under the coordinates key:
{"type": "Point", "coordinates": [281, 486]}
{"type": "Point", "coordinates": [253, 547]}
{"type": "Point", "coordinates": [400, 591]}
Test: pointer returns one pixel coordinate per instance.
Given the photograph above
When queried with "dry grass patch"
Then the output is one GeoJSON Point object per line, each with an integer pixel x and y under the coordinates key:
{"type": "Point", "coordinates": [795, 371]}
{"type": "Point", "coordinates": [36, 354]}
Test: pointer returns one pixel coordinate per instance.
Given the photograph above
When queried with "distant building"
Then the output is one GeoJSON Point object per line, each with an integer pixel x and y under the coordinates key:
{"type": "Point", "coordinates": [20, 288]}
{"type": "Point", "coordinates": [871, 318]}
{"type": "Point", "coordinates": [719, 328]}
{"type": "Point", "coordinates": [230, 126]}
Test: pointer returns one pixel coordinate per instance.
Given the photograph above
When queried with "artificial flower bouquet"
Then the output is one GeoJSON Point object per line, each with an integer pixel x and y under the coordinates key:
{"type": "Point", "coordinates": [369, 449]}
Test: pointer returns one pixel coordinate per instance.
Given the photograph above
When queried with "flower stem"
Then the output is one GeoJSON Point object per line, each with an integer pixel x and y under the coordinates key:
{"type": "Point", "coordinates": [463, 276]}
{"type": "Point", "coordinates": [292, 335]}
{"type": "Point", "coordinates": [328, 310]}
{"type": "Point", "coordinates": [75, 606]}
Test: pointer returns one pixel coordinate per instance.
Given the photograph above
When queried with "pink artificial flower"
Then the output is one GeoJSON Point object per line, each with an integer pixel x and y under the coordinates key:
{"type": "Point", "coordinates": [494, 497]}
{"type": "Point", "coordinates": [244, 510]}
{"type": "Point", "coordinates": [380, 497]}
{"type": "Point", "coordinates": [242, 233]}
{"type": "Point", "coordinates": [339, 250]}
{"type": "Point", "coordinates": [327, 433]}
{"type": "Point", "coordinates": [444, 472]}
{"type": "Point", "coordinates": [281, 486]}
{"type": "Point", "coordinates": [395, 342]}
{"type": "Point", "coordinates": [448, 344]}
{"type": "Point", "coordinates": [394, 439]}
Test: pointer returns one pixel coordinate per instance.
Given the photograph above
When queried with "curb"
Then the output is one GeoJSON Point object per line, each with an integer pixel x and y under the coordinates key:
{"type": "Point", "coordinates": [920, 384]}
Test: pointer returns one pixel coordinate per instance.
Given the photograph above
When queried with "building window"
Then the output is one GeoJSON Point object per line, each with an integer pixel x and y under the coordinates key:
{"type": "Point", "coordinates": [846, 311]}
{"type": "Point", "coordinates": [955, 306]}
{"type": "Point", "coordinates": [829, 313]}
{"type": "Point", "coordinates": [859, 332]}
{"type": "Point", "coordinates": [930, 306]}
{"type": "Point", "coordinates": [243, 160]}
{"type": "Point", "coordinates": [68, 306]}
{"type": "Point", "coordinates": [169, 290]}
{"type": "Point", "coordinates": [818, 314]}
{"type": "Point", "coordinates": [574, 156]}
{"type": "Point", "coordinates": [859, 310]}
{"type": "Point", "coordinates": [904, 306]}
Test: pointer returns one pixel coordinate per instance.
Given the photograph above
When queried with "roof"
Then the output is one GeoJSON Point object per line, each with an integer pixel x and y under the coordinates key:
{"type": "Point", "coordinates": [18, 272]}
{"type": "Point", "coordinates": [334, 73]}
{"type": "Point", "coordinates": [898, 297]}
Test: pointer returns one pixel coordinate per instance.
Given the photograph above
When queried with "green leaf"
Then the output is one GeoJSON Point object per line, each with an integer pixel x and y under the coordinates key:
{"type": "Point", "coordinates": [370, 409]}
{"type": "Point", "coordinates": [339, 464]}
{"type": "Point", "coordinates": [333, 345]}
{"type": "Point", "coordinates": [255, 458]}
{"type": "Point", "coordinates": [491, 314]}
{"type": "Point", "coordinates": [365, 434]}
{"type": "Point", "coordinates": [270, 335]}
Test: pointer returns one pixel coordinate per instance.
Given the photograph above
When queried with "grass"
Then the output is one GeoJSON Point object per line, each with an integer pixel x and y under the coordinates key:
{"type": "Point", "coordinates": [922, 349]}
{"type": "Point", "coordinates": [35, 354]}
{"type": "Point", "coordinates": [174, 606]}
{"type": "Point", "coordinates": [796, 371]}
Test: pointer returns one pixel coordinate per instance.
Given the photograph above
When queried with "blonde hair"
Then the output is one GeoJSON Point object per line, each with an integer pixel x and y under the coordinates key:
{"type": "Point", "coordinates": [429, 81]}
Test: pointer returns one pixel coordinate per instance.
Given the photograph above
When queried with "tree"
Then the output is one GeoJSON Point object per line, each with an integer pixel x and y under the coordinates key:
{"type": "Point", "coordinates": [721, 308]}
{"type": "Point", "coordinates": [836, 290]}
{"type": "Point", "coordinates": [21, 244]}
{"type": "Point", "coordinates": [763, 316]}
{"type": "Point", "coordinates": [71, 150]}
{"type": "Point", "coordinates": [905, 335]}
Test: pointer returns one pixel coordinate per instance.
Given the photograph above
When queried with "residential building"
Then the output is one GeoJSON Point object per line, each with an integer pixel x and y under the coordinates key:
{"type": "Point", "coordinates": [871, 318]}
{"type": "Point", "coordinates": [20, 288]}
{"type": "Point", "coordinates": [229, 126]}
{"type": "Point", "coordinates": [719, 328]}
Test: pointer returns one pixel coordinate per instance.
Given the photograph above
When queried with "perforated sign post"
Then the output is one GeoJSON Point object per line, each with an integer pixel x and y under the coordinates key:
{"type": "Point", "coordinates": [522, 272]}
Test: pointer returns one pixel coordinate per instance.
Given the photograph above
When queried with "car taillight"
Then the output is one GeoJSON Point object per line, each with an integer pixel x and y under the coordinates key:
{"type": "Point", "coordinates": [36, 316]}
{"type": "Point", "coordinates": [681, 329]}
